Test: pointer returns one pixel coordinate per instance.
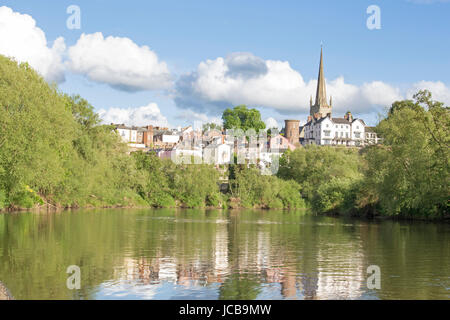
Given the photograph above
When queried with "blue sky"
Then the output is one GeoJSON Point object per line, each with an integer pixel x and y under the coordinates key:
{"type": "Point", "coordinates": [375, 66]}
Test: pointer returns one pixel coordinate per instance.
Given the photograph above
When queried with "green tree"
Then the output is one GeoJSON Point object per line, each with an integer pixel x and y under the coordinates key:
{"type": "Point", "coordinates": [409, 173]}
{"type": "Point", "coordinates": [241, 117]}
{"type": "Point", "coordinates": [54, 149]}
{"type": "Point", "coordinates": [326, 174]}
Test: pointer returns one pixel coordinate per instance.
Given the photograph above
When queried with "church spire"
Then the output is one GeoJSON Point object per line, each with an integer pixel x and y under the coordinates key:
{"type": "Point", "coordinates": [321, 108]}
{"type": "Point", "coordinates": [321, 94]}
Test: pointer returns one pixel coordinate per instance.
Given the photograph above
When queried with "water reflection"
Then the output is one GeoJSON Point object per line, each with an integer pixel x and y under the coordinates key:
{"type": "Point", "coordinates": [175, 254]}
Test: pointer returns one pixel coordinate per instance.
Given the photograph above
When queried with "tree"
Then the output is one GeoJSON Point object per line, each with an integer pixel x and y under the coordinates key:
{"type": "Point", "coordinates": [53, 147]}
{"type": "Point", "coordinates": [241, 117]}
{"type": "Point", "coordinates": [319, 169]}
{"type": "Point", "coordinates": [410, 171]}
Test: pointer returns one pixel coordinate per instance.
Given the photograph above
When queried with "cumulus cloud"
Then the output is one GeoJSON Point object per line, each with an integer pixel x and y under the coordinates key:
{"type": "Point", "coordinates": [440, 92]}
{"type": "Point", "coordinates": [141, 116]}
{"type": "Point", "coordinates": [242, 78]}
{"type": "Point", "coordinates": [245, 65]}
{"type": "Point", "coordinates": [119, 62]}
{"type": "Point", "coordinates": [22, 40]}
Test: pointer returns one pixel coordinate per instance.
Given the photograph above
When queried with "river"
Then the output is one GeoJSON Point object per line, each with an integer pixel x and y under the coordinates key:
{"type": "Point", "coordinates": [197, 254]}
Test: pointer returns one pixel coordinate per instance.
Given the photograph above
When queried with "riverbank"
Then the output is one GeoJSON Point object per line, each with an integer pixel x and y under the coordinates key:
{"type": "Point", "coordinates": [307, 210]}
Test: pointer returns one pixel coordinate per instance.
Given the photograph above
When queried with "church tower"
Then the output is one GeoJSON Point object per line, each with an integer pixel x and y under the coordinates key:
{"type": "Point", "coordinates": [321, 108]}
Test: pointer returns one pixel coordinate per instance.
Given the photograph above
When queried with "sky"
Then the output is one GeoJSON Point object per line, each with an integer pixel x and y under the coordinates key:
{"type": "Point", "coordinates": [171, 63]}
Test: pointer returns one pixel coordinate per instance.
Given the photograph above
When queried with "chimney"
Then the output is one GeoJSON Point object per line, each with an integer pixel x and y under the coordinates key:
{"type": "Point", "coordinates": [348, 116]}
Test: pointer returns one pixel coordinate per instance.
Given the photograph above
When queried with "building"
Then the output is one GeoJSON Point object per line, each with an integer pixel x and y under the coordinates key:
{"type": "Point", "coordinates": [322, 128]}
{"type": "Point", "coordinates": [136, 137]}
{"type": "Point", "coordinates": [371, 136]}
{"type": "Point", "coordinates": [335, 131]}
{"type": "Point", "coordinates": [292, 131]}
{"type": "Point", "coordinates": [281, 143]}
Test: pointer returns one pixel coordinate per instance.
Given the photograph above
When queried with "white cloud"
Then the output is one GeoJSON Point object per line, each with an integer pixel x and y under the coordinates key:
{"type": "Point", "coordinates": [141, 116]}
{"type": "Point", "coordinates": [119, 62]}
{"type": "Point", "coordinates": [439, 91]}
{"type": "Point", "coordinates": [21, 39]}
{"type": "Point", "coordinates": [243, 78]}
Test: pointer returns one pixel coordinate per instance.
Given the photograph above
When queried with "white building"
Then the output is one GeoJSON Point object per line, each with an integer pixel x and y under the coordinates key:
{"type": "Point", "coordinates": [335, 131]}
{"type": "Point", "coordinates": [134, 136]}
{"type": "Point", "coordinates": [371, 136]}
{"type": "Point", "coordinates": [323, 129]}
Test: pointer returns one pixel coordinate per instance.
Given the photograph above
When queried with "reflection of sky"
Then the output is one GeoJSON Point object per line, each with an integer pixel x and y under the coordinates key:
{"type": "Point", "coordinates": [167, 290]}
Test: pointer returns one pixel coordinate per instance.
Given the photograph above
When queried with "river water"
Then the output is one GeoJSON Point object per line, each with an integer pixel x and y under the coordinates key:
{"type": "Point", "coordinates": [197, 254]}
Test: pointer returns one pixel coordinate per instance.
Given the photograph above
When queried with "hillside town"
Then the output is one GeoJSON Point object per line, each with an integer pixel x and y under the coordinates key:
{"type": "Point", "coordinates": [218, 147]}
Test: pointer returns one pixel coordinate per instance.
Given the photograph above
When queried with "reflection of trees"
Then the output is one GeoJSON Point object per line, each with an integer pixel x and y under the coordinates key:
{"type": "Point", "coordinates": [244, 252]}
{"type": "Point", "coordinates": [414, 258]}
{"type": "Point", "coordinates": [240, 287]}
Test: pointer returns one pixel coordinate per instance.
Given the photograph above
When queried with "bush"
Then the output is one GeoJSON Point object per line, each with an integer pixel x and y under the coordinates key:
{"type": "Point", "coordinates": [409, 173]}
{"type": "Point", "coordinates": [262, 191]}
{"type": "Point", "coordinates": [193, 186]}
{"type": "Point", "coordinates": [327, 175]}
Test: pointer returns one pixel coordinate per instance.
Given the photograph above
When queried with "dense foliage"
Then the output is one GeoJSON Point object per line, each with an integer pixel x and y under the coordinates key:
{"type": "Point", "coordinates": [53, 149]}
{"type": "Point", "coordinates": [241, 117]}
{"type": "Point", "coordinates": [327, 175]}
{"type": "Point", "coordinates": [262, 191]}
{"type": "Point", "coordinates": [168, 185]}
{"type": "Point", "coordinates": [409, 174]}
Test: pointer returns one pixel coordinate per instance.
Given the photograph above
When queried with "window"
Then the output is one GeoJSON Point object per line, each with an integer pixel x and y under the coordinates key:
{"type": "Point", "coordinates": [342, 134]}
{"type": "Point", "coordinates": [346, 134]}
{"type": "Point", "coordinates": [357, 135]}
{"type": "Point", "coordinates": [357, 127]}
{"type": "Point", "coordinates": [327, 133]}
